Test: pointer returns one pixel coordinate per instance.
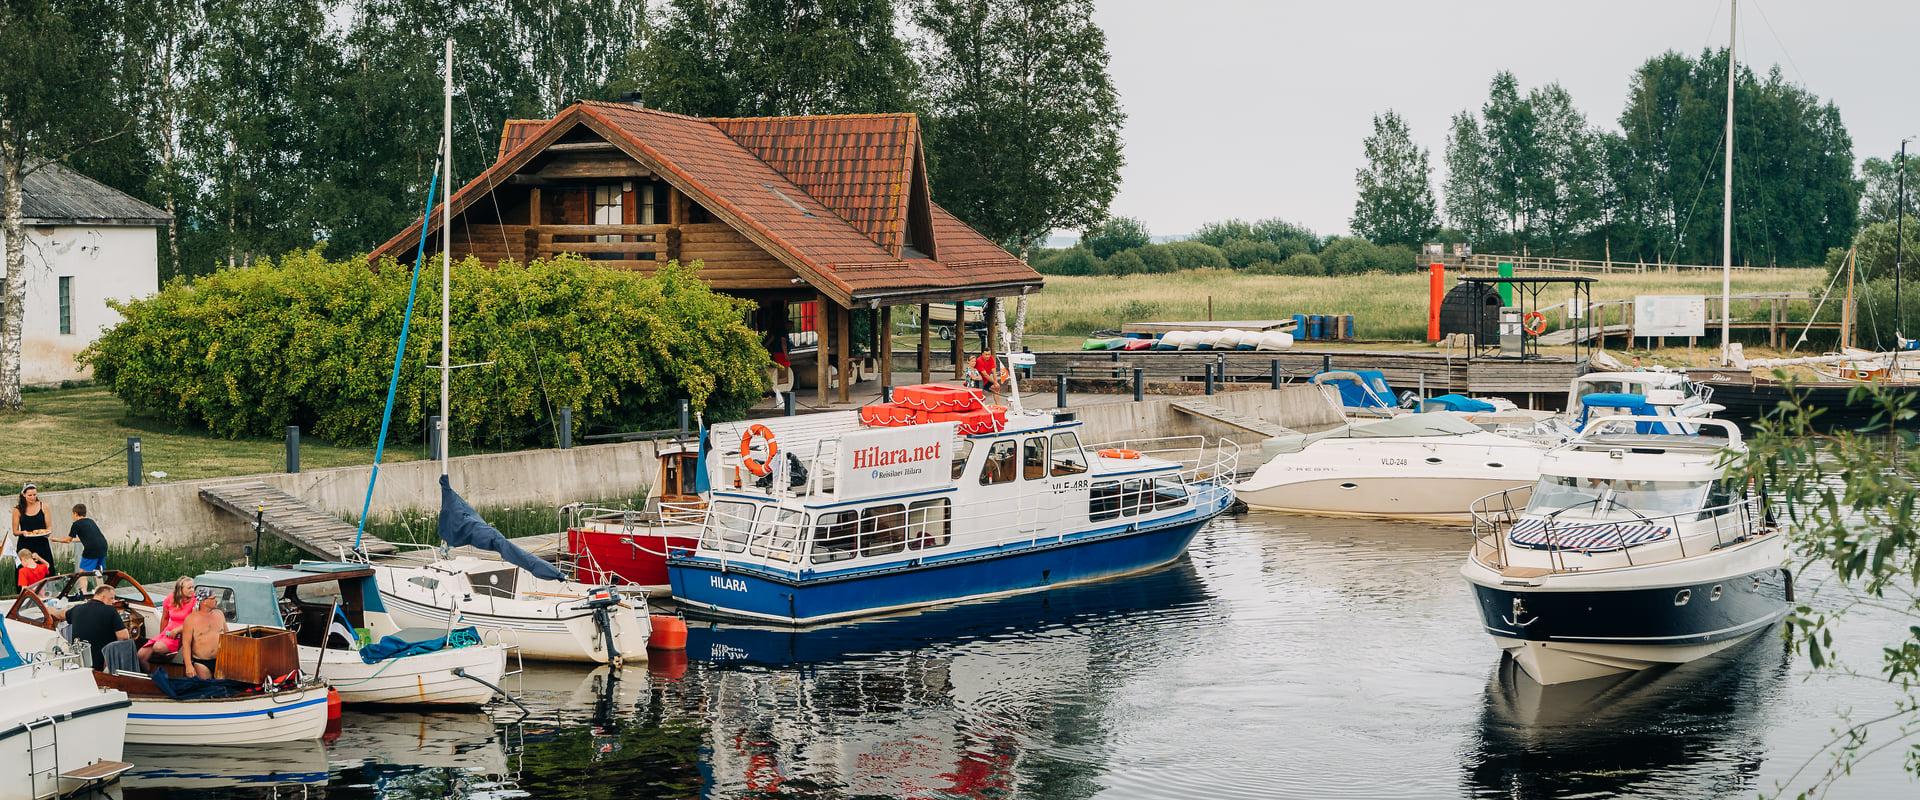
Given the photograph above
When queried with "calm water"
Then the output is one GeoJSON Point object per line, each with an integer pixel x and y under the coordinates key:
{"type": "Point", "coordinates": [1288, 657]}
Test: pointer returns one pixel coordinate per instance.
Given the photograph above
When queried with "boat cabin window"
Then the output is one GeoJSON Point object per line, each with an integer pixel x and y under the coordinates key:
{"type": "Point", "coordinates": [999, 467]}
{"type": "Point", "coordinates": [1556, 494]}
{"type": "Point", "coordinates": [961, 452]}
{"type": "Point", "coordinates": [836, 536]}
{"type": "Point", "coordinates": [779, 532]}
{"type": "Point", "coordinates": [677, 475]}
{"type": "Point", "coordinates": [1103, 501]}
{"type": "Point", "coordinates": [422, 581]}
{"type": "Point", "coordinates": [1169, 492]}
{"type": "Point", "coordinates": [497, 583]}
{"type": "Point", "coordinates": [883, 530]}
{"type": "Point", "coordinates": [1033, 458]}
{"type": "Point", "coordinates": [1722, 493]}
{"type": "Point", "coordinates": [1067, 457]}
{"type": "Point", "coordinates": [929, 524]}
{"type": "Point", "coordinates": [223, 598]}
{"type": "Point", "coordinates": [729, 526]}
{"type": "Point", "coordinates": [1131, 495]}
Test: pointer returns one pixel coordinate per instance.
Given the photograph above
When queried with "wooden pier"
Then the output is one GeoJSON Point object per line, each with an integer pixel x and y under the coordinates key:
{"type": "Point", "coordinates": [1438, 371]}
{"type": "Point", "coordinates": [284, 516]}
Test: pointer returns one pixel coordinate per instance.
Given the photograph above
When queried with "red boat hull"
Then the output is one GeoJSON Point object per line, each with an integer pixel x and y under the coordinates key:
{"type": "Point", "coordinates": [637, 557]}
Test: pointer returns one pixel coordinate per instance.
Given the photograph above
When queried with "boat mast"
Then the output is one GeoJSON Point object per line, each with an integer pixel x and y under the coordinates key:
{"type": "Point", "coordinates": [446, 256]}
{"type": "Point", "coordinates": [1846, 311]}
{"type": "Point", "coordinates": [1726, 207]}
{"type": "Point", "coordinates": [1899, 239]}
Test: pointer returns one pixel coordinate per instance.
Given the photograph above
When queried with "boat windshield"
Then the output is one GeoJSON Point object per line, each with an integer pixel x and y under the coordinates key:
{"type": "Point", "coordinates": [1560, 495]}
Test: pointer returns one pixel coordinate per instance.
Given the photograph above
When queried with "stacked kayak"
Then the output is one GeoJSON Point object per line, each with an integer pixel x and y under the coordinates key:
{"type": "Point", "coordinates": [1231, 339]}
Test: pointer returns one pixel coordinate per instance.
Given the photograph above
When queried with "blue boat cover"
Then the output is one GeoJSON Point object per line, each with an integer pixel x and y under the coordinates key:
{"type": "Point", "coordinates": [461, 526]}
{"type": "Point", "coordinates": [1616, 403]}
{"type": "Point", "coordinates": [400, 646]}
{"type": "Point", "coordinates": [1375, 394]}
{"type": "Point", "coordinates": [1455, 402]}
{"type": "Point", "coordinates": [195, 688]}
{"type": "Point", "coordinates": [9, 658]}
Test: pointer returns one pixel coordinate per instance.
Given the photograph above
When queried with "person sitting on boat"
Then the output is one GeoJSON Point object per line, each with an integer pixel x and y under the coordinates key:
{"type": "Point", "coordinates": [98, 623]}
{"type": "Point", "coordinates": [173, 616]}
{"type": "Point", "coordinates": [200, 636]}
{"type": "Point", "coordinates": [986, 372]}
{"type": "Point", "coordinates": [32, 569]}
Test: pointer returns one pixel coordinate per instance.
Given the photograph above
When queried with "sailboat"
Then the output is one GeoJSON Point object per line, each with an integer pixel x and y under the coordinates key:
{"type": "Point", "coordinates": [521, 600]}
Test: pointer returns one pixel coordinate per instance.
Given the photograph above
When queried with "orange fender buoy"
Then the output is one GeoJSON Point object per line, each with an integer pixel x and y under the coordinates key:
{"type": "Point", "coordinates": [333, 703]}
{"type": "Point", "coordinates": [758, 468]}
{"type": "Point", "coordinates": [669, 633]}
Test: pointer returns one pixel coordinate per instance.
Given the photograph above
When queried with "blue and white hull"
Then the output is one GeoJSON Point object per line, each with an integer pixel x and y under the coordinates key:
{"type": "Point", "coordinates": [804, 597]}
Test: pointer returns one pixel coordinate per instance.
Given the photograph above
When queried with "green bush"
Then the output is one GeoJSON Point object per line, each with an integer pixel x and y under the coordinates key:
{"type": "Point", "coordinates": [1070, 261]}
{"type": "Point", "coordinates": [1352, 255]}
{"type": "Point", "coordinates": [1126, 262]}
{"type": "Point", "coordinates": [309, 342]}
{"type": "Point", "coordinates": [1196, 255]}
{"type": "Point", "coordinates": [1247, 252]}
{"type": "Point", "coordinates": [1156, 258]}
{"type": "Point", "coordinates": [1115, 234]}
{"type": "Point", "coordinates": [1296, 238]}
{"type": "Point", "coordinates": [1300, 264]}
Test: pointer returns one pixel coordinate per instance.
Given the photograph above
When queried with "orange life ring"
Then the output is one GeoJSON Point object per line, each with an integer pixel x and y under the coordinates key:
{"type": "Point", "coordinates": [758, 468]}
{"type": "Point", "coordinates": [1119, 452]}
{"type": "Point", "coordinates": [1534, 323]}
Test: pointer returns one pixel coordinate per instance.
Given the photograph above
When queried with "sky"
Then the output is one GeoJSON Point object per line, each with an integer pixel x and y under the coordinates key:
{"type": "Point", "coordinates": [1257, 108]}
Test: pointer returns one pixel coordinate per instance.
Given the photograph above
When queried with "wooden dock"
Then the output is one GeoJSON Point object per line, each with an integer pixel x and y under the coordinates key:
{"type": "Point", "coordinates": [284, 516]}
{"type": "Point", "coordinates": [1437, 370]}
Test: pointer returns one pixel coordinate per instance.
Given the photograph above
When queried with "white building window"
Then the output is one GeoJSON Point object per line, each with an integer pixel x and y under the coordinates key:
{"type": "Point", "coordinates": [66, 305]}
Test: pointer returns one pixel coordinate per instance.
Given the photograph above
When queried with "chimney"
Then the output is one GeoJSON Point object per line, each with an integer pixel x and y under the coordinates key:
{"type": "Point", "coordinates": [631, 97]}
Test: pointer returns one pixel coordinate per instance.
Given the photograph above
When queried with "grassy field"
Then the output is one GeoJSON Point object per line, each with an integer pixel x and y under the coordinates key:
{"type": "Point", "coordinates": [65, 429]}
{"type": "Point", "coordinates": [1383, 306]}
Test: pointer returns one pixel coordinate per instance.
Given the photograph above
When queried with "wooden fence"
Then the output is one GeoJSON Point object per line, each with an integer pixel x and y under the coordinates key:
{"type": "Point", "coordinates": [1490, 262]}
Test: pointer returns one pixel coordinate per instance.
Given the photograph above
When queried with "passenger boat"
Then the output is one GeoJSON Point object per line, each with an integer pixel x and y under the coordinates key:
{"type": "Point", "coordinates": [1634, 549]}
{"type": "Point", "coordinates": [1428, 467]}
{"type": "Point", "coordinates": [294, 709]}
{"type": "Point", "coordinates": [59, 731]}
{"type": "Point", "coordinates": [937, 497]}
{"type": "Point", "coordinates": [307, 598]}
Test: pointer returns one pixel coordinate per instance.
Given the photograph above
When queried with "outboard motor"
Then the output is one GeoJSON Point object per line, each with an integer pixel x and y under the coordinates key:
{"type": "Point", "coordinates": [602, 602]}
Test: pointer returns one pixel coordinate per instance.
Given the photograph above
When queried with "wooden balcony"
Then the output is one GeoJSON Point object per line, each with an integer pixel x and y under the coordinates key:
{"type": "Point", "coordinates": [730, 260]}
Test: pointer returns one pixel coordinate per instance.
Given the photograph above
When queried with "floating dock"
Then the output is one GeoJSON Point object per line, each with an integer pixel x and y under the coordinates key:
{"type": "Point", "coordinates": [1438, 371]}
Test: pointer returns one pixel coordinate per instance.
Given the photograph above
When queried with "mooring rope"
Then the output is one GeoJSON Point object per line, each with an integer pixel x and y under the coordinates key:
{"type": "Point", "coordinates": [103, 460]}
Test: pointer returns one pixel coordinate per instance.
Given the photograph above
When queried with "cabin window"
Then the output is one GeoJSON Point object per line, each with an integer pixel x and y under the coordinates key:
{"type": "Point", "coordinates": [929, 524]}
{"type": "Point", "coordinates": [1067, 458]}
{"type": "Point", "coordinates": [223, 597]}
{"type": "Point", "coordinates": [496, 583]}
{"type": "Point", "coordinates": [1169, 492]}
{"type": "Point", "coordinates": [1132, 493]}
{"type": "Point", "coordinates": [883, 530]}
{"type": "Point", "coordinates": [677, 475]}
{"type": "Point", "coordinates": [729, 526]}
{"type": "Point", "coordinates": [1560, 493]}
{"type": "Point", "coordinates": [1723, 492]}
{"type": "Point", "coordinates": [1033, 458]}
{"type": "Point", "coordinates": [999, 467]}
{"type": "Point", "coordinates": [1103, 501]}
{"type": "Point", "coordinates": [607, 211]}
{"type": "Point", "coordinates": [961, 453]}
{"type": "Point", "coordinates": [836, 536]}
{"type": "Point", "coordinates": [782, 535]}
{"type": "Point", "coordinates": [424, 582]}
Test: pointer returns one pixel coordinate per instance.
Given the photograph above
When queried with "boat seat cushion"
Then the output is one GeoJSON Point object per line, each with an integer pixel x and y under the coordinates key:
{"type": "Point", "coordinates": [1597, 537]}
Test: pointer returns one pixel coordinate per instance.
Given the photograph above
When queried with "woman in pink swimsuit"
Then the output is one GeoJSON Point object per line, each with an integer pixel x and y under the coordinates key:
{"type": "Point", "coordinates": [173, 615]}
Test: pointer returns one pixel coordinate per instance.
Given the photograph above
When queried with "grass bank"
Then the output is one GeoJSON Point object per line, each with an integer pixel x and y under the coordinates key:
{"type": "Point", "coordinates": [1383, 306]}
{"type": "Point", "coordinates": [71, 438]}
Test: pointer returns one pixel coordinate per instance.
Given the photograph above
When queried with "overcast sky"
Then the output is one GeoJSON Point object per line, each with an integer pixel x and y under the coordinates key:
{"type": "Point", "coordinates": [1256, 108]}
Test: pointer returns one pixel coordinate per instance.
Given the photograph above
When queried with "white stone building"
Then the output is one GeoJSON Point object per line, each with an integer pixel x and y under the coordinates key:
{"type": "Point", "coordinates": [87, 243]}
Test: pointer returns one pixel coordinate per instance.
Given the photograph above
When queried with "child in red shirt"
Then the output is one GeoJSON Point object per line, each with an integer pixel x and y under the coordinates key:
{"type": "Point", "coordinates": [32, 570]}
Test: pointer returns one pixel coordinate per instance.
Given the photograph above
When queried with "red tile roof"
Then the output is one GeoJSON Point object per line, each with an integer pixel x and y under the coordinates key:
{"type": "Point", "coordinates": [827, 195]}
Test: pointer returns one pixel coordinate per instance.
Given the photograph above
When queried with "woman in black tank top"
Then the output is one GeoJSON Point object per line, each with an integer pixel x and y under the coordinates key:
{"type": "Point", "coordinates": [32, 527]}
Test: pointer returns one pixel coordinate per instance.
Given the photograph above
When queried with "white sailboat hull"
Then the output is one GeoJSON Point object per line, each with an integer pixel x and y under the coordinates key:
{"type": "Point", "coordinates": [544, 620]}
{"type": "Point", "coordinates": [426, 678]}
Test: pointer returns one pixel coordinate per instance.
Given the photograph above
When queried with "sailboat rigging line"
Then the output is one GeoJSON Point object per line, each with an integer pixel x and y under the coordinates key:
{"type": "Point", "coordinates": [1816, 310]}
{"type": "Point", "coordinates": [533, 347]}
{"type": "Point", "coordinates": [399, 352]}
{"type": "Point", "coordinates": [1680, 231]}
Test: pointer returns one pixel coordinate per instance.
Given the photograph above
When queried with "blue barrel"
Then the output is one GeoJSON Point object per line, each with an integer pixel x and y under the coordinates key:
{"type": "Point", "coordinates": [1317, 327]}
{"type": "Point", "coordinates": [1346, 327]}
{"type": "Point", "coordinates": [1299, 326]}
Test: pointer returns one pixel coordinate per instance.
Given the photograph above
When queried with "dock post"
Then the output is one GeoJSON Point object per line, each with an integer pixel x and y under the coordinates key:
{"type": "Point", "coordinates": [886, 393]}
{"type": "Point", "coordinates": [1275, 368]}
{"type": "Point", "coordinates": [293, 448]}
{"type": "Point", "coordinates": [436, 438]}
{"type": "Point", "coordinates": [686, 408]}
{"type": "Point", "coordinates": [1060, 390]}
{"type": "Point", "coordinates": [566, 427]}
{"type": "Point", "coordinates": [789, 401]}
{"type": "Point", "coordinates": [1139, 384]}
{"type": "Point", "coordinates": [134, 462]}
{"type": "Point", "coordinates": [1209, 378]}
{"type": "Point", "coordinates": [1326, 363]}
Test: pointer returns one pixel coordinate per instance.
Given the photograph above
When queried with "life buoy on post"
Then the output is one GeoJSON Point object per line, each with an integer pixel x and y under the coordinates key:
{"type": "Point", "coordinates": [758, 468]}
{"type": "Point", "coordinates": [1534, 323]}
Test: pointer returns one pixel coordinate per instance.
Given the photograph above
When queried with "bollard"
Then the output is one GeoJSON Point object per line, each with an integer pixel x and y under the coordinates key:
{"type": "Point", "coordinates": [788, 400]}
{"type": "Point", "coordinates": [886, 394]}
{"type": "Point", "coordinates": [436, 438]}
{"type": "Point", "coordinates": [566, 427]}
{"type": "Point", "coordinates": [686, 408]}
{"type": "Point", "coordinates": [1275, 367]}
{"type": "Point", "coordinates": [293, 448]}
{"type": "Point", "coordinates": [1209, 379]}
{"type": "Point", "coordinates": [133, 461]}
{"type": "Point", "coordinates": [1060, 391]}
{"type": "Point", "coordinates": [1326, 363]}
{"type": "Point", "coordinates": [1139, 384]}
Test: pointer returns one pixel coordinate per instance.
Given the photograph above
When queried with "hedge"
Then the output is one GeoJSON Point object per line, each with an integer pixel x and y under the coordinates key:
{"type": "Point", "coordinates": [309, 342]}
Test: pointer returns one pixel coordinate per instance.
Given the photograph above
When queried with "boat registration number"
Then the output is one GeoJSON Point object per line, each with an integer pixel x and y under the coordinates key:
{"type": "Point", "coordinates": [1394, 462]}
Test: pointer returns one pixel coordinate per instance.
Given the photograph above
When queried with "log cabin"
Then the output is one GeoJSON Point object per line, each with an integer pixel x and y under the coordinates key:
{"type": "Point", "coordinates": [824, 215]}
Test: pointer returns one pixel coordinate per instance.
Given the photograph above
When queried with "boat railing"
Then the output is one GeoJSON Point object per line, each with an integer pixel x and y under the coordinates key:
{"type": "Point", "coordinates": [58, 656]}
{"type": "Point", "coordinates": [626, 522]}
{"type": "Point", "coordinates": [1201, 460]}
{"type": "Point", "coordinates": [1494, 516]}
{"type": "Point", "coordinates": [762, 533]}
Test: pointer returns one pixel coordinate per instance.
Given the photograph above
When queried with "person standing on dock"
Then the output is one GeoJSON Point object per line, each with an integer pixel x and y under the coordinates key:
{"type": "Point", "coordinates": [93, 547]}
{"type": "Point", "coordinates": [30, 523]}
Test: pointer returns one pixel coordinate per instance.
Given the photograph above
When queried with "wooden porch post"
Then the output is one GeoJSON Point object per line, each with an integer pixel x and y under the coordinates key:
{"type": "Point", "coordinates": [533, 225]}
{"type": "Point", "coordinates": [959, 338]}
{"type": "Point", "coordinates": [926, 344]}
{"type": "Point", "coordinates": [886, 346]}
{"type": "Point", "coordinates": [844, 322]}
{"type": "Point", "coordinates": [823, 338]}
{"type": "Point", "coordinates": [993, 332]}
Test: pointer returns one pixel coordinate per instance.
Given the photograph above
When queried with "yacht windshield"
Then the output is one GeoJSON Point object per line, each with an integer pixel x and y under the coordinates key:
{"type": "Point", "coordinates": [1558, 494]}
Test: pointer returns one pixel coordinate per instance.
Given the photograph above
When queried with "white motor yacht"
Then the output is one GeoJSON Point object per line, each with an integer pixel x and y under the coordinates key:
{"type": "Point", "coordinates": [1634, 549]}
{"type": "Point", "coordinates": [59, 731]}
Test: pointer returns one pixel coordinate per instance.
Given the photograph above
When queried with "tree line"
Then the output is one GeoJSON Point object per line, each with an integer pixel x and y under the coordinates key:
{"type": "Point", "coordinates": [1124, 246]}
{"type": "Point", "coordinates": [1528, 172]}
{"type": "Point", "coordinates": [268, 126]}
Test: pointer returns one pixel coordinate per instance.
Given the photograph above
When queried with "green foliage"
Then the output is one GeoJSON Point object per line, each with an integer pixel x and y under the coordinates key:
{"type": "Point", "coordinates": [733, 58]}
{"type": "Point", "coordinates": [1115, 234]}
{"type": "Point", "coordinates": [1473, 206]}
{"type": "Point", "coordinates": [1874, 254]}
{"type": "Point", "coordinates": [1293, 237]}
{"type": "Point", "coordinates": [1882, 188]}
{"type": "Point", "coordinates": [1395, 189]}
{"type": "Point", "coordinates": [1298, 264]}
{"type": "Point", "coordinates": [1069, 261]}
{"type": "Point", "coordinates": [1156, 258]}
{"type": "Point", "coordinates": [1195, 255]}
{"type": "Point", "coordinates": [1243, 253]}
{"type": "Point", "coordinates": [1352, 255]}
{"type": "Point", "coordinates": [310, 342]}
{"type": "Point", "coordinates": [1023, 122]}
{"type": "Point", "coordinates": [1126, 262]}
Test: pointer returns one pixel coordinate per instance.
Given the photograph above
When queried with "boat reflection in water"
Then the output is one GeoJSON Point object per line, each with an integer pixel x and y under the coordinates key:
{"type": "Point", "coordinates": [434, 753]}
{"type": "Point", "coordinates": [945, 702]}
{"type": "Point", "coordinates": [1696, 730]}
{"type": "Point", "coordinates": [164, 770]}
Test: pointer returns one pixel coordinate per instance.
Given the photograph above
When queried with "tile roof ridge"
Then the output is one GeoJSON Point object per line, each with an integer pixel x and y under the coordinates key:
{"type": "Point", "coordinates": [909, 115]}
{"type": "Point", "coordinates": [638, 109]}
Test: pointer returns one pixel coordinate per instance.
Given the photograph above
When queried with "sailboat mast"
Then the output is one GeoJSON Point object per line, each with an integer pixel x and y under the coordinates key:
{"type": "Point", "coordinates": [1726, 207]}
{"type": "Point", "coordinates": [446, 259]}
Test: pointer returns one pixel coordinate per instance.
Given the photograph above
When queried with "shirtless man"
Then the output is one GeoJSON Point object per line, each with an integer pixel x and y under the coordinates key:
{"type": "Point", "coordinates": [200, 636]}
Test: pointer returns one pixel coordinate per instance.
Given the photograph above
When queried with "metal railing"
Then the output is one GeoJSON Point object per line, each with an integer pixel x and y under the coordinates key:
{"type": "Point", "coordinates": [889, 530]}
{"type": "Point", "coordinates": [1495, 514]}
